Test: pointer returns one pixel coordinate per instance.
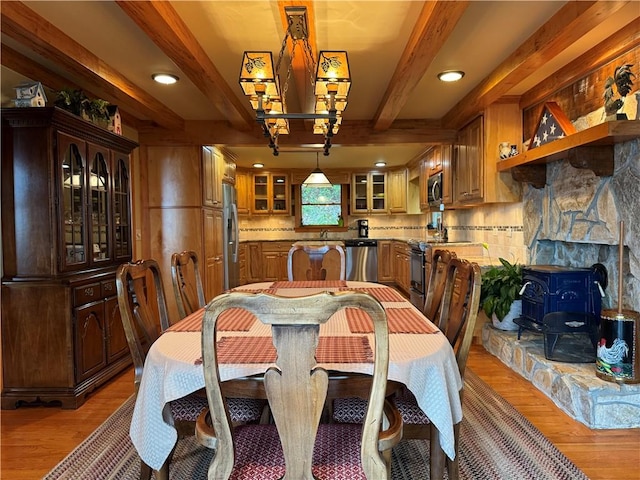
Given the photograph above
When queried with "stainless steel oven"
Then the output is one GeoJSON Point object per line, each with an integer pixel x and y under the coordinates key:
{"type": "Point", "coordinates": [417, 291]}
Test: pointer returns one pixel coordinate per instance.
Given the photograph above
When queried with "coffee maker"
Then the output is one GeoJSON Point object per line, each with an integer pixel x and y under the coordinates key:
{"type": "Point", "coordinates": [363, 228]}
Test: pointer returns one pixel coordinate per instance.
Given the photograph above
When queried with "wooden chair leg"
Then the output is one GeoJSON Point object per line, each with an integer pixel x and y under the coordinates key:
{"type": "Point", "coordinates": [453, 466]}
{"type": "Point", "coordinates": [145, 471]}
{"type": "Point", "coordinates": [436, 455]}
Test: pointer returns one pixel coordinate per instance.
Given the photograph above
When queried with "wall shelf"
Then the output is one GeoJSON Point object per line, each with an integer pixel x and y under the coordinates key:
{"type": "Point", "coordinates": [591, 148]}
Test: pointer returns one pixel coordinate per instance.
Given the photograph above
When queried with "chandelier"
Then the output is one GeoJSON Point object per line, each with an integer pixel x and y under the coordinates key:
{"type": "Point", "coordinates": [329, 77]}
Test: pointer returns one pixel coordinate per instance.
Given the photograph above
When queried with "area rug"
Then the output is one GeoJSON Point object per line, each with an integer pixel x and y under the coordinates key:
{"type": "Point", "coordinates": [497, 442]}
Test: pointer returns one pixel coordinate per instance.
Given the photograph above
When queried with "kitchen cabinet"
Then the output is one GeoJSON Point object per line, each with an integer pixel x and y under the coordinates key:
{"type": "Point", "coordinates": [385, 261]}
{"type": "Point", "coordinates": [254, 262]}
{"type": "Point", "coordinates": [398, 191]}
{"type": "Point", "coordinates": [274, 261]}
{"type": "Point", "coordinates": [368, 192]}
{"type": "Point", "coordinates": [270, 194]}
{"type": "Point", "coordinates": [470, 160]}
{"type": "Point", "coordinates": [477, 180]}
{"type": "Point", "coordinates": [434, 161]}
{"type": "Point", "coordinates": [184, 211]}
{"type": "Point", "coordinates": [242, 264]}
{"type": "Point", "coordinates": [213, 258]}
{"type": "Point", "coordinates": [446, 156]}
{"type": "Point", "coordinates": [243, 191]}
{"type": "Point", "coordinates": [66, 226]}
{"type": "Point", "coordinates": [402, 265]}
{"type": "Point", "coordinates": [212, 173]}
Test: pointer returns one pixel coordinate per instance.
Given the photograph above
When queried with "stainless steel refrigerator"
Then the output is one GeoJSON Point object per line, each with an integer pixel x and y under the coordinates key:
{"type": "Point", "coordinates": [230, 237]}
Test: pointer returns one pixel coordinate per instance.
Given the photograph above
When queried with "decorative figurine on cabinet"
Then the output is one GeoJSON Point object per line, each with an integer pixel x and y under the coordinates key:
{"type": "Point", "coordinates": [30, 95]}
{"type": "Point", "coordinates": [115, 121]}
{"type": "Point", "coordinates": [622, 76]}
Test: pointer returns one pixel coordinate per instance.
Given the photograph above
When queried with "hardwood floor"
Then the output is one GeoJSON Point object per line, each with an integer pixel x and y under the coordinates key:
{"type": "Point", "coordinates": [34, 440]}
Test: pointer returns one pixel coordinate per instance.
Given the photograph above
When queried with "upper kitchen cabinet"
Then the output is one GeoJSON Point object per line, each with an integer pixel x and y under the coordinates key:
{"type": "Point", "coordinates": [243, 197]}
{"type": "Point", "coordinates": [398, 190]}
{"type": "Point", "coordinates": [218, 167]}
{"type": "Point", "coordinates": [66, 226]}
{"type": "Point", "coordinates": [212, 172]}
{"type": "Point", "coordinates": [270, 193]}
{"type": "Point", "coordinates": [368, 193]}
{"type": "Point", "coordinates": [476, 179]}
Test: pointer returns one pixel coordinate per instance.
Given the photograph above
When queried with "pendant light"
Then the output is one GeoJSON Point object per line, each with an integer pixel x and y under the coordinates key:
{"type": "Point", "coordinates": [317, 178]}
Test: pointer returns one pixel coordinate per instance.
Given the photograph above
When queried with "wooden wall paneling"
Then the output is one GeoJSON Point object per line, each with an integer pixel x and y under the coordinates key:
{"type": "Point", "coordinates": [174, 230]}
{"type": "Point", "coordinates": [174, 175]}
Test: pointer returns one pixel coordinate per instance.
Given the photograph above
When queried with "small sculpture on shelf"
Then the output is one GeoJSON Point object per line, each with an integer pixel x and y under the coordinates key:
{"type": "Point", "coordinates": [30, 94]}
{"type": "Point", "coordinates": [622, 79]}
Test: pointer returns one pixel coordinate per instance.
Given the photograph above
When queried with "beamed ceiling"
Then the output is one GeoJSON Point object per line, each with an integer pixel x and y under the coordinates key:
{"type": "Point", "coordinates": [397, 107]}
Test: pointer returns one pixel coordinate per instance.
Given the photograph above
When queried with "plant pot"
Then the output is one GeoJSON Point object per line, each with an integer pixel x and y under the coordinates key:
{"type": "Point", "coordinates": [507, 322]}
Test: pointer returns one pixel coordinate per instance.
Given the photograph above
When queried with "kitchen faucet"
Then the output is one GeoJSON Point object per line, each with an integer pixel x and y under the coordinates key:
{"type": "Point", "coordinates": [324, 234]}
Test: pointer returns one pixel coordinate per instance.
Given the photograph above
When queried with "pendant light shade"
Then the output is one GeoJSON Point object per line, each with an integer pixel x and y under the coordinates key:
{"type": "Point", "coordinates": [317, 178]}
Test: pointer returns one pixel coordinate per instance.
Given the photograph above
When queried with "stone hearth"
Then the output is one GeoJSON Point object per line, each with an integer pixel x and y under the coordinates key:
{"type": "Point", "coordinates": [574, 387]}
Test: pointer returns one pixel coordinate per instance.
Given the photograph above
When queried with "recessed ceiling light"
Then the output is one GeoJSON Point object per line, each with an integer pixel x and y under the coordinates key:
{"type": "Point", "coordinates": [258, 165]}
{"type": "Point", "coordinates": [450, 75]}
{"type": "Point", "coordinates": [165, 78]}
{"type": "Point", "coordinates": [380, 164]}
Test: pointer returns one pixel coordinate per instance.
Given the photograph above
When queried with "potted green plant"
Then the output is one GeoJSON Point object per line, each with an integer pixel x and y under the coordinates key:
{"type": "Point", "coordinates": [500, 294]}
{"type": "Point", "coordinates": [76, 101]}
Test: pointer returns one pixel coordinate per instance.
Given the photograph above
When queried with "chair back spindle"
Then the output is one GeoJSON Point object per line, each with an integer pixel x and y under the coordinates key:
{"type": "Point", "coordinates": [187, 282]}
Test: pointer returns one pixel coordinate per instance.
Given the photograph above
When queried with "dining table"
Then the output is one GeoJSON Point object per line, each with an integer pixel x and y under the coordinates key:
{"type": "Point", "coordinates": [420, 357]}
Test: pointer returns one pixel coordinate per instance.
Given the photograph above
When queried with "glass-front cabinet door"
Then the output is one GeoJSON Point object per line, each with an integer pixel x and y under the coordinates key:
{"type": "Point", "coordinates": [369, 193]}
{"type": "Point", "coordinates": [270, 193]}
{"type": "Point", "coordinates": [99, 209]}
{"type": "Point", "coordinates": [121, 207]}
{"type": "Point", "coordinates": [72, 164]}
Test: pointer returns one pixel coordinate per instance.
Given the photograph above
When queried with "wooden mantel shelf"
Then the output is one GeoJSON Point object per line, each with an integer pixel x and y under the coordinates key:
{"type": "Point", "coordinates": [591, 148]}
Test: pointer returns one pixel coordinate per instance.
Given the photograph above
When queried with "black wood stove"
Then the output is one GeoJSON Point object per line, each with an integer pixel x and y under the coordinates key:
{"type": "Point", "coordinates": [551, 288]}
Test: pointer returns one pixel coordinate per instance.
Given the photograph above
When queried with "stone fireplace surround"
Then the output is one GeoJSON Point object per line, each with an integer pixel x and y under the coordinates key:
{"type": "Point", "coordinates": [574, 221]}
{"type": "Point", "coordinates": [573, 387]}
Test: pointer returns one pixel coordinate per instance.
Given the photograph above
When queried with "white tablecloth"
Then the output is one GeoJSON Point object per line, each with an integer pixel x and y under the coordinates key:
{"type": "Point", "coordinates": [425, 363]}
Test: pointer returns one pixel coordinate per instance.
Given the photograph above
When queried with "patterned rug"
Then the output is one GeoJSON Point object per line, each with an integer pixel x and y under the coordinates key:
{"type": "Point", "coordinates": [497, 442]}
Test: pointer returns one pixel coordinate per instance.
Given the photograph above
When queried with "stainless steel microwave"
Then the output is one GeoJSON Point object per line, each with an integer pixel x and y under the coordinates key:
{"type": "Point", "coordinates": [434, 189]}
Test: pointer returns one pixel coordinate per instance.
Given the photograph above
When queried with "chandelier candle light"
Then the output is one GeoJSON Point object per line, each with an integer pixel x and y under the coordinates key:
{"type": "Point", "coordinates": [260, 82]}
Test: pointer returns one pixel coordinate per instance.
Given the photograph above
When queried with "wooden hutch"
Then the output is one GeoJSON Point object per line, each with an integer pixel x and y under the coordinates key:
{"type": "Point", "coordinates": [66, 226]}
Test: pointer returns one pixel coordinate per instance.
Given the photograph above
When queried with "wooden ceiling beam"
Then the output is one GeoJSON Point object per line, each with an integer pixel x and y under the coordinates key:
{"type": "Point", "coordinates": [432, 29]}
{"type": "Point", "coordinates": [23, 65]}
{"type": "Point", "coordinates": [167, 30]}
{"type": "Point", "coordinates": [568, 25]}
{"type": "Point", "coordinates": [34, 32]}
{"type": "Point", "coordinates": [352, 133]}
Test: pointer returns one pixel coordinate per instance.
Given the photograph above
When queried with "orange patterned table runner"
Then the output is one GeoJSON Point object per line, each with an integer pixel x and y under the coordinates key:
{"type": "Point", "coordinates": [400, 320]}
{"type": "Point", "coordinates": [261, 350]}
{"type": "Point", "coordinates": [383, 294]}
{"type": "Point", "coordinates": [310, 284]}
{"type": "Point", "coordinates": [232, 320]}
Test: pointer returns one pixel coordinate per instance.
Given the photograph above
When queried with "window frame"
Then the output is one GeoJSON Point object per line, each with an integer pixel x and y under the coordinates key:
{"type": "Point", "coordinates": [344, 204]}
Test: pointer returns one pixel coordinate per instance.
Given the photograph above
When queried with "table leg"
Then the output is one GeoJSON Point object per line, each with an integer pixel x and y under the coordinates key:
{"type": "Point", "coordinates": [437, 458]}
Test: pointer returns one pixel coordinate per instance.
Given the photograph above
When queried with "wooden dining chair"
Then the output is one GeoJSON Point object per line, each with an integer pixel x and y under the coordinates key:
{"type": "Point", "coordinates": [457, 319]}
{"type": "Point", "coordinates": [435, 288]}
{"type": "Point", "coordinates": [143, 309]}
{"type": "Point", "coordinates": [316, 262]}
{"type": "Point", "coordinates": [187, 283]}
{"type": "Point", "coordinates": [296, 389]}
